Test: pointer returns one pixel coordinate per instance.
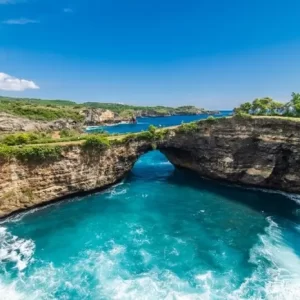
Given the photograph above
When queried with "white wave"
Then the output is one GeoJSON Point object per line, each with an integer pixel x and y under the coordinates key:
{"type": "Point", "coordinates": [112, 188]}
{"type": "Point", "coordinates": [115, 192]}
{"type": "Point", "coordinates": [116, 283]}
{"type": "Point", "coordinates": [291, 196]}
{"type": "Point", "coordinates": [19, 216]}
{"type": "Point", "coordinates": [164, 163]}
{"type": "Point", "coordinates": [277, 273]}
{"type": "Point", "coordinates": [115, 124]}
{"type": "Point", "coordinates": [19, 253]}
{"type": "Point", "coordinates": [117, 249]}
{"type": "Point", "coordinates": [205, 282]}
{"type": "Point", "coordinates": [147, 257]}
{"type": "Point", "coordinates": [137, 231]}
{"type": "Point", "coordinates": [9, 292]}
{"type": "Point", "coordinates": [15, 250]}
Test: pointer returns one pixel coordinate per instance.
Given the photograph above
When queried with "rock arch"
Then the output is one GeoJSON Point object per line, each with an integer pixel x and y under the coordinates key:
{"type": "Point", "coordinates": [263, 152]}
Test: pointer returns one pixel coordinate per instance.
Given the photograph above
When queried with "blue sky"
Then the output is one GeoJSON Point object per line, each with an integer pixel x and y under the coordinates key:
{"type": "Point", "coordinates": [213, 54]}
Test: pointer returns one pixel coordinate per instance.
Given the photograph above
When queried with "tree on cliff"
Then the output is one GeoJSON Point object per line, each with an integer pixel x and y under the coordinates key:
{"type": "Point", "coordinates": [296, 103]}
{"type": "Point", "coordinates": [267, 106]}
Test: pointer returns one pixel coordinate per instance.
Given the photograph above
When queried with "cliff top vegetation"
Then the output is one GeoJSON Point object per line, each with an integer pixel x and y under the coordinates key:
{"type": "Point", "coordinates": [268, 107]}
{"type": "Point", "coordinates": [50, 110]}
{"type": "Point", "coordinates": [44, 146]}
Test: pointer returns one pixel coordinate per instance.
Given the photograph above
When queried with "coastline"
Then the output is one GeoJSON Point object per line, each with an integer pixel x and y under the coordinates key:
{"type": "Point", "coordinates": [213, 148]}
{"type": "Point", "coordinates": [110, 124]}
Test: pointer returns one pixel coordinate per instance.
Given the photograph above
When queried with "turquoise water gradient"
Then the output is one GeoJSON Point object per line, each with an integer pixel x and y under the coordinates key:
{"type": "Point", "coordinates": [143, 123]}
{"type": "Point", "coordinates": [160, 234]}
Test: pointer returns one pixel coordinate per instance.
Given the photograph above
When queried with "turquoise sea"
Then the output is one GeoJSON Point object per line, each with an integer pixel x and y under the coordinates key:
{"type": "Point", "coordinates": [143, 123]}
{"type": "Point", "coordinates": [162, 233]}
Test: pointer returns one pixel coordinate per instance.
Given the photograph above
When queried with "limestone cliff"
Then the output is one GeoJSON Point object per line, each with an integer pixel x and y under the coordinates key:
{"type": "Point", "coordinates": [263, 152]}
{"type": "Point", "coordinates": [99, 116]}
{"type": "Point", "coordinates": [27, 184]}
{"type": "Point", "coordinates": [11, 123]}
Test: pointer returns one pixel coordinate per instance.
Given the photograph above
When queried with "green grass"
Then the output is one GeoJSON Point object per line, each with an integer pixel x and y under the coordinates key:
{"type": "Point", "coordinates": [40, 112]}
{"type": "Point", "coordinates": [31, 152]}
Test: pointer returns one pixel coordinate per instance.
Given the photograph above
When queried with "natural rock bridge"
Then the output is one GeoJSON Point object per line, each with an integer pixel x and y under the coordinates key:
{"type": "Point", "coordinates": [261, 152]}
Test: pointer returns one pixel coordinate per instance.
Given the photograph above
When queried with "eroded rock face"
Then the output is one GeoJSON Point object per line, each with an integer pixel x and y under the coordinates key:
{"type": "Point", "coordinates": [24, 185]}
{"type": "Point", "coordinates": [261, 152]}
{"type": "Point", "coordinates": [98, 116]}
{"type": "Point", "coordinates": [10, 123]}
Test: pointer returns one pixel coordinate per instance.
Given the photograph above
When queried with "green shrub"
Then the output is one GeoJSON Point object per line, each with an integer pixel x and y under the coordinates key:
{"type": "Point", "coordinates": [161, 134]}
{"type": "Point", "coordinates": [31, 152]}
{"type": "Point", "coordinates": [38, 152]}
{"type": "Point", "coordinates": [96, 142]}
{"type": "Point", "coordinates": [19, 138]}
{"type": "Point", "coordinates": [5, 152]}
{"type": "Point", "coordinates": [152, 129]}
{"type": "Point", "coordinates": [144, 136]}
{"type": "Point", "coordinates": [211, 119]}
{"type": "Point", "coordinates": [188, 127]}
{"type": "Point", "coordinates": [242, 115]}
{"type": "Point", "coordinates": [152, 135]}
{"type": "Point", "coordinates": [67, 133]}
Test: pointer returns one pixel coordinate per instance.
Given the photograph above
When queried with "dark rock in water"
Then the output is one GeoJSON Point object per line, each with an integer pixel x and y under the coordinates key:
{"type": "Point", "coordinates": [133, 120]}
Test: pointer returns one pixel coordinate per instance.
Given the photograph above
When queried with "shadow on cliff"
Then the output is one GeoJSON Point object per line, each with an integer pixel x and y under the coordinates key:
{"type": "Point", "coordinates": [266, 202]}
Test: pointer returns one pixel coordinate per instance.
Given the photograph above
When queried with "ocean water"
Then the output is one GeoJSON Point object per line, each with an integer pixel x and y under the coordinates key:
{"type": "Point", "coordinates": [162, 233]}
{"type": "Point", "coordinates": [143, 123]}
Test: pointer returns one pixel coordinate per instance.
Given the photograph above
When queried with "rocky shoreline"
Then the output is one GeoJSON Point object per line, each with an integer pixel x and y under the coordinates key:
{"type": "Point", "coordinates": [259, 152]}
{"type": "Point", "coordinates": [91, 117]}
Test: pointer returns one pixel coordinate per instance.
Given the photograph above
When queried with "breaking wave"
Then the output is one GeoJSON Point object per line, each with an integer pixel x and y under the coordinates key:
{"type": "Point", "coordinates": [152, 239]}
{"type": "Point", "coordinates": [276, 274]}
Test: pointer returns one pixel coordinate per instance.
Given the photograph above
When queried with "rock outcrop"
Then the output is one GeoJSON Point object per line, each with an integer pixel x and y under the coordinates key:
{"type": "Point", "coordinates": [27, 184]}
{"type": "Point", "coordinates": [98, 116]}
{"type": "Point", "coordinates": [262, 152]}
{"type": "Point", "coordinates": [10, 123]}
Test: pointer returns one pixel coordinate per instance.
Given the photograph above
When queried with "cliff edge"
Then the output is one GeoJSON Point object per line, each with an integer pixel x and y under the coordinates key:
{"type": "Point", "coordinates": [261, 152]}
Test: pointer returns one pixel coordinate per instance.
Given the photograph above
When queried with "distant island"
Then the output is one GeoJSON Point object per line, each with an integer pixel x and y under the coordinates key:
{"type": "Point", "coordinates": [22, 114]}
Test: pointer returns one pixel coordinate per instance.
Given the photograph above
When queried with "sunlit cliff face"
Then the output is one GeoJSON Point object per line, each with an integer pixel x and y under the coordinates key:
{"type": "Point", "coordinates": [257, 152]}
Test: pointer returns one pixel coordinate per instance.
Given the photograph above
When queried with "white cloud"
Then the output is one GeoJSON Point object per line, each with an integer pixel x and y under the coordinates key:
{"type": "Point", "coordinates": [21, 21]}
{"type": "Point", "coordinates": [66, 10]}
{"type": "Point", "coordinates": [10, 83]}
